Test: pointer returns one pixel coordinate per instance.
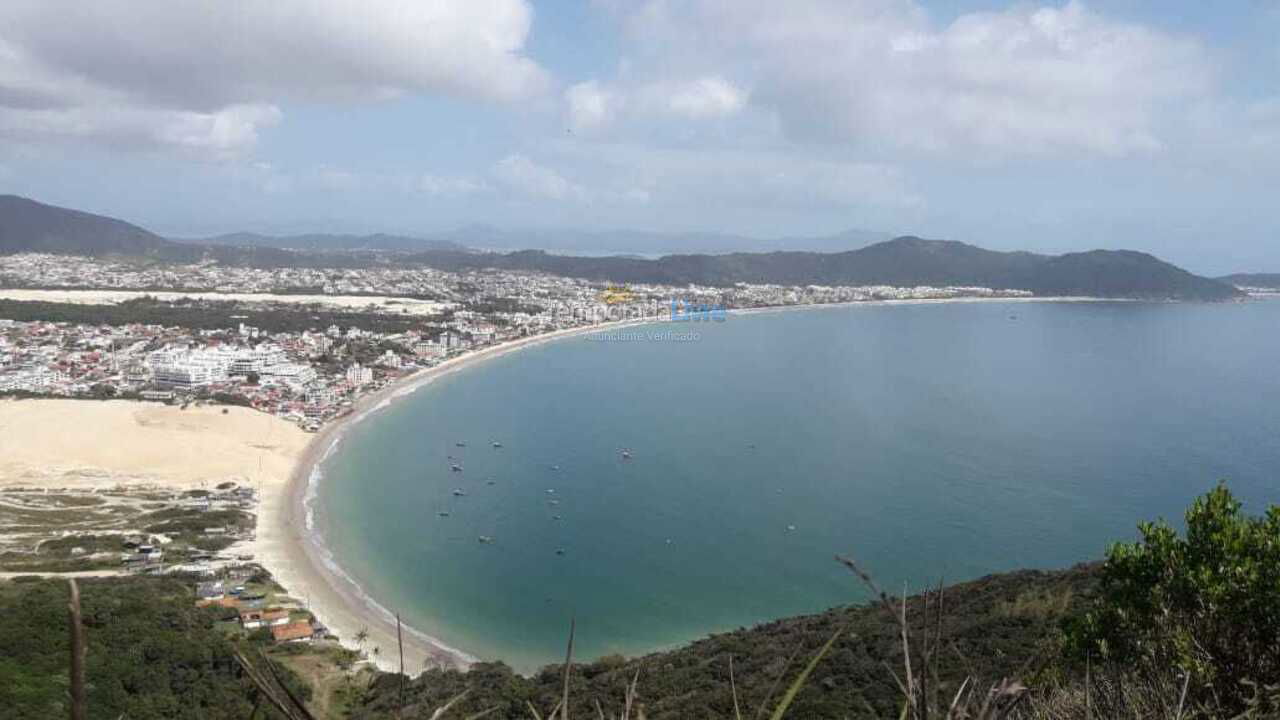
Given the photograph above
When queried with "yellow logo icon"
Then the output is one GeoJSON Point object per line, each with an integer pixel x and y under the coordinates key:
{"type": "Point", "coordinates": [616, 295]}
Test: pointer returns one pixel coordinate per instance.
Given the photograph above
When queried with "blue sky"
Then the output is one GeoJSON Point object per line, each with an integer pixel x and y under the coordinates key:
{"type": "Point", "coordinates": [1046, 126]}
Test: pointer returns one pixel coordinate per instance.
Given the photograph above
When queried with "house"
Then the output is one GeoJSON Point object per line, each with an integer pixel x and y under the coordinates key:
{"type": "Point", "coordinates": [225, 601]}
{"type": "Point", "coordinates": [254, 619]}
{"type": "Point", "coordinates": [210, 591]}
{"type": "Point", "coordinates": [293, 632]}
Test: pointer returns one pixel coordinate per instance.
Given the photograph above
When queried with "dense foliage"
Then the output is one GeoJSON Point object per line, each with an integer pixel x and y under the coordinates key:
{"type": "Point", "coordinates": [209, 315]}
{"type": "Point", "coordinates": [1206, 603]}
{"type": "Point", "coordinates": [151, 653]}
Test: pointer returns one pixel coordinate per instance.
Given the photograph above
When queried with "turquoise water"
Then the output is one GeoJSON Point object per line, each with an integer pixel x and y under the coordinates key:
{"type": "Point", "coordinates": [928, 441]}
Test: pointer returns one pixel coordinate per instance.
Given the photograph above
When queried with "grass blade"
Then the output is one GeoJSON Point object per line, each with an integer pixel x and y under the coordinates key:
{"type": "Point", "coordinates": [800, 680]}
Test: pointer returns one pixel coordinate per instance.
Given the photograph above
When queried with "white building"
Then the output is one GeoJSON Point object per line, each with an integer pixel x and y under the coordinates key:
{"type": "Point", "coordinates": [189, 368]}
{"type": "Point", "coordinates": [257, 359]}
{"type": "Point", "coordinates": [294, 374]}
{"type": "Point", "coordinates": [358, 375]}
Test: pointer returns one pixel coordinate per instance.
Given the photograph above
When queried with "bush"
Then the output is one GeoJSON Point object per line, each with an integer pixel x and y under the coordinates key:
{"type": "Point", "coordinates": [1207, 603]}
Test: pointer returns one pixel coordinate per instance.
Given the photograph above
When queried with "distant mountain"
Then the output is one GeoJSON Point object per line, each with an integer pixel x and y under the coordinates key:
{"type": "Point", "coordinates": [1268, 281]}
{"type": "Point", "coordinates": [30, 226]}
{"type": "Point", "coordinates": [652, 244]}
{"type": "Point", "coordinates": [905, 261]}
{"type": "Point", "coordinates": [322, 242]}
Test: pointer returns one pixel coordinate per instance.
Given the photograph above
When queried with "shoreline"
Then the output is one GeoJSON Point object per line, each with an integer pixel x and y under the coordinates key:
{"type": "Point", "coordinates": [305, 566]}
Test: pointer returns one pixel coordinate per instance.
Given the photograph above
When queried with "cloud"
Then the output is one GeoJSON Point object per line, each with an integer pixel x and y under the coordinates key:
{"type": "Point", "coordinates": [521, 174]}
{"type": "Point", "coordinates": [590, 105]}
{"type": "Point", "coordinates": [881, 74]}
{"type": "Point", "coordinates": [745, 177]}
{"type": "Point", "coordinates": [211, 75]}
{"type": "Point", "coordinates": [705, 97]}
{"type": "Point", "coordinates": [437, 185]}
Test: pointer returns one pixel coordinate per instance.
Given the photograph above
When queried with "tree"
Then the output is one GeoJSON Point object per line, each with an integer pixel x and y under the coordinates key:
{"type": "Point", "coordinates": [1207, 603]}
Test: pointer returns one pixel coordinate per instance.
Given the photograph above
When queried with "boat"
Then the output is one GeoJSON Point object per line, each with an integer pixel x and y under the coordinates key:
{"type": "Point", "coordinates": [791, 528]}
{"type": "Point", "coordinates": [459, 492]}
{"type": "Point", "coordinates": [459, 444]}
{"type": "Point", "coordinates": [559, 551]}
{"type": "Point", "coordinates": [626, 454]}
{"type": "Point", "coordinates": [455, 467]}
{"type": "Point", "coordinates": [555, 467]}
{"type": "Point", "coordinates": [486, 539]}
{"type": "Point", "coordinates": [497, 444]}
{"type": "Point", "coordinates": [442, 513]}
{"type": "Point", "coordinates": [551, 491]}
{"type": "Point", "coordinates": [555, 502]}
{"type": "Point", "coordinates": [490, 482]}
{"type": "Point", "coordinates": [555, 517]}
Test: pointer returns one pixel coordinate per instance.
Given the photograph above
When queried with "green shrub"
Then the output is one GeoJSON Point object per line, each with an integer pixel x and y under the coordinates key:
{"type": "Point", "coordinates": [1207, 604]}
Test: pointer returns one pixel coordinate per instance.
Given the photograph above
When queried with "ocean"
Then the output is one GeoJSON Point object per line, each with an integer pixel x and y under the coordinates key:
{"type": "Point", "coordinates": [929, 442]}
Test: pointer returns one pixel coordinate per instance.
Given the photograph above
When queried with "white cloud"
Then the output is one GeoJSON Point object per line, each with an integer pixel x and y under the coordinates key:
{"type": "Point", "coordinates": [211, 75]}
{"type": "Point", "coordinates": [525, 176]}
{"type": "Point", "coordinates": [590, 105]}
{"type": "Point", "coordinates": [706, 97]}
{"type": "Point", "coordinates": [437, 185]}
{"type": "Point", "coordinates": [881, 74]}
{"type": "Point", "coordinates": [531, 180]}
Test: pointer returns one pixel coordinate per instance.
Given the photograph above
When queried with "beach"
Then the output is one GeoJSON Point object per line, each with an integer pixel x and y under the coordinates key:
{"type": "Point", "coordinates": [295, 554]}
{"type": "Point", "coordinates": [88, 444]}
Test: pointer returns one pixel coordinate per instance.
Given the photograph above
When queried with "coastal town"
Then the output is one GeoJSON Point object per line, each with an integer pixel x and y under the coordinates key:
{"type": "Point", "coordinates": [302, 343]}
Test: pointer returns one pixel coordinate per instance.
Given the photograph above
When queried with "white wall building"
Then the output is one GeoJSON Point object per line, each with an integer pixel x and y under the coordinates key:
{"type": "Point", "coordinates": [359, 375]}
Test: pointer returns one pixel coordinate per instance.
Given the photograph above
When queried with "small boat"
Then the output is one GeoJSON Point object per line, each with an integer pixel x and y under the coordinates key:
{"type": "Point", "coordinates": [459, 492]}
{"type": "Point", "coordinates": [559, 551]}
{"type": "Point", "coordinates": [491, 482]}
{"type": "Point", "coordinates": [497, 444]}
{"type": "Point", "coordinates": [442, 513]}
{"type": "Point", "coordinates": [555, 467]}
{"type": "Point", "coordinates": [626, 454]}
{"type": "Point", "coordinates": [459, 444]}
{"type": "Point", "coordinates": [486, 539]}
{"type": "Point", "coordinates": [551, 491]}
{"type": "Point", "coordinates": [791, 528]}
{"type": "Point", "coordinates": [555, 517]}
{"type": "Point", "coordinates": [455, 467]}
{"type": "Point", "coordinates": [555, 502]}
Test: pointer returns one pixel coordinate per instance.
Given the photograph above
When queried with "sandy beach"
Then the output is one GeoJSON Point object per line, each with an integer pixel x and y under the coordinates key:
{"type": "Point", "coordinates": [100, 444]}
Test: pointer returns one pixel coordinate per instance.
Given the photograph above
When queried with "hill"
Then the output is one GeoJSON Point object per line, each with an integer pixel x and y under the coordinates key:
{"type": "Point", "coordinates": [323, 242]}
{"type": "Point", "coordinates": [903, 262]}
{"type": "Point", "coordinates": [1268, 281]}
{"type": "Point", "coordinates": [29, 226]}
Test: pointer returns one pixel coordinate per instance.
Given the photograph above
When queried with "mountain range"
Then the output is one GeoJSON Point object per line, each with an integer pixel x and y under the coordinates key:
{"type": "Point", "coordinates": [30, 226]}
{"type": "Point", "coordinates": [1266, 281]}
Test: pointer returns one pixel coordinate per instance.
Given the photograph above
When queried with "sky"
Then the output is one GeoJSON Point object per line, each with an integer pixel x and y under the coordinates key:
{"type": "Point", "coordinates": [1027, 125]}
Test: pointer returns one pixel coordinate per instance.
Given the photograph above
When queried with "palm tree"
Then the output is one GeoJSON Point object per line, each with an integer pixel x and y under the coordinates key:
{"type": "Point", "coordinates": [362, 637]}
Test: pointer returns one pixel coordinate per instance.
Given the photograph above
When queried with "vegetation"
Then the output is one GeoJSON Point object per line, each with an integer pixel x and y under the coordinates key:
{"type": "Point", "coordinates": [207, 315]}
{"type": "Point", "coordinates": [1206, 604]}
{"type": "Point", "coordinates": [1172, 626]}
{"type": "Point", "coordinates": [151, 654]}
{"type": "Point", "coordinates": [997, 627]}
